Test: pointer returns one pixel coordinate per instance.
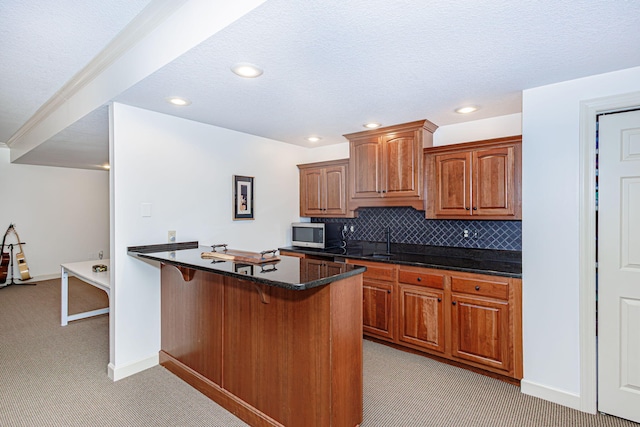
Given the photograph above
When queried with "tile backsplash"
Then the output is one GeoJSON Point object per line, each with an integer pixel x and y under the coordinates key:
{"type": "Point", "coordinates": [410, 226]}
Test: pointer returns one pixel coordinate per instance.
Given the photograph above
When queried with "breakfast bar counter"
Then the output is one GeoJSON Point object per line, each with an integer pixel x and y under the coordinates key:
{"type": "Point", "coordinates": [276, 344]}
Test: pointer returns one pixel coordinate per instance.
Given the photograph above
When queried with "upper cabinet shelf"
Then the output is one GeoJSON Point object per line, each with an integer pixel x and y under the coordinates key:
{"type": "Point", "coordinates": [386, 165]}
{"type": "Point", "coordinates": [475, 180]}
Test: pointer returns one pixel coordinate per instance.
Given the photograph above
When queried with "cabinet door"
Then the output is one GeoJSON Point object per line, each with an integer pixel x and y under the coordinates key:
{"type": "Point", "coordinates": [377, 313]}
{"type": "Point", "coordinates": [453, 184]}
{"type": "Point", "coordinates": [313, 269]}
{"type": "Point", "coordinates": [493, 176]}
{"type": "Point", "coordinates": [421, 318]}
{"type": "Point", "coordinates": [192, 310]}
{"type": "Point", "coordinates": [312, 192]}
{"type": "Point", "coordinates": [335, 190]}
{"type": "Point", "coordinates": [480, 331]}
{"type": "Point", "coordinates": [402, 154]}
{"type": "Point", "coordinates": [365, 164]}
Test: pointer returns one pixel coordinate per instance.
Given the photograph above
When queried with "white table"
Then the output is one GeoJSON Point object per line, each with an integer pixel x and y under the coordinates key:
{"type": "Point", "coordinates": [83, 271]}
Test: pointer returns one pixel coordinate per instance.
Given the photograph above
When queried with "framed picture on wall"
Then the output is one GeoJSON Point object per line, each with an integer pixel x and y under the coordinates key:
{"type": "Point", "coordinates": [242, 197]}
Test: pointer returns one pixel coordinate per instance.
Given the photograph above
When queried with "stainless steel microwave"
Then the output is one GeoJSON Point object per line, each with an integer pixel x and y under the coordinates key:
{"type": "Point", "coordinates": [316, 234]}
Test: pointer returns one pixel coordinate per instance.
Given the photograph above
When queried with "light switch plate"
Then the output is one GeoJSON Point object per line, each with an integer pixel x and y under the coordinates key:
{"type": "Point", "coordinates": [145, 209]}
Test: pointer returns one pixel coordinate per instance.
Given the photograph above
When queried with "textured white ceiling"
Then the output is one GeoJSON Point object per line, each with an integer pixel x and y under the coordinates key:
{"type": "Point", "coordinates": [44, 43]}
{"type": "Point", "coordinates": [330, 65]}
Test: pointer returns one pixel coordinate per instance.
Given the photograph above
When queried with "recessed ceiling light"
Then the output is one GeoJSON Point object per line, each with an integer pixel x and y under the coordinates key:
{"type": "Point", "coordinates": [314, 139]}
{"type": "Point", "coordinates": [467, 110]}
{"type": "Point", "coordinates": [176, 100]}
{"type": "Point", "coordinates": [244, 69]}
{"type": "Point", "coordinates": [372, 125]}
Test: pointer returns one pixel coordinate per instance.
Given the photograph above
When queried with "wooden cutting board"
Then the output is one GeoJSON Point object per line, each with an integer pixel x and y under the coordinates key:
{"type": "Point", "coordinates": [242, 256]}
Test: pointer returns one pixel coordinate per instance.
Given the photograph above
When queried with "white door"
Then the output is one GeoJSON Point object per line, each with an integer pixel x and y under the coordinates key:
{"type": "Point", "coordinates": [619, 266]}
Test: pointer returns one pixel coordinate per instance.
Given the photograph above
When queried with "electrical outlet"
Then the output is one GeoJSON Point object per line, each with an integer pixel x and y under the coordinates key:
{"type": "Point", "coordinates": [351, 229]}
{"type": "Point", "coordinates": [465, 233]}
{"type": "Point", "coordinates": [171, 236]}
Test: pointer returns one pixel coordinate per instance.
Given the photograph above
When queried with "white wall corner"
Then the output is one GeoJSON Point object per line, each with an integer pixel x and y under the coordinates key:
{"type": "Point", "coordinates": [119, 372]}
{"type": "Point", "coordinates": [551, 394]}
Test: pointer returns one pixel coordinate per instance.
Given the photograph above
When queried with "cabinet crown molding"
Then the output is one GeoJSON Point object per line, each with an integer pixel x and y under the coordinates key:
{"type": "Point", "coordinates": [322, 164]}
{"type": "Point", "coordinates": [425, 124]}
{"type": "Point", "coordinates": [474, 144]}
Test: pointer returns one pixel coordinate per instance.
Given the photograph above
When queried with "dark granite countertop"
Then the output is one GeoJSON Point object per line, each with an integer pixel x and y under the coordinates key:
{"type": "Point", "coordinates": [482, 261]}
{"type": "Point", "coordinates": [290, 272]}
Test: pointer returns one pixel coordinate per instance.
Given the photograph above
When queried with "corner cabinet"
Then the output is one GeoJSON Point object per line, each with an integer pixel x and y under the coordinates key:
{"type": "Point", "coordinates": [323, 189]}
{"type": "Point", "coordinates": [480, 320]}
{"type": "Point", "coordinates": [475, 180]}
{"type": "Point", "coordinates": [386, 165]}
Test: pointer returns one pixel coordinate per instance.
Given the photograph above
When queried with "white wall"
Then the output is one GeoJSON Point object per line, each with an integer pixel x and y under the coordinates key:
{"type": "Point", "coordinates": [184, 170]}
{"type": "Point", "coordinates": [494, 127]}
{"type": "Point", "coordinates": [328, 152]}
{"type": "Point", "coordinates": [551, 185]}
{"type": "Point", "coordinates": [61, 214]}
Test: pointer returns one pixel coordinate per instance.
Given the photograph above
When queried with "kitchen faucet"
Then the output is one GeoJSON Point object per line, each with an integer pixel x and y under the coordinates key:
{"type": "Point", "coordinates": [388, 235]}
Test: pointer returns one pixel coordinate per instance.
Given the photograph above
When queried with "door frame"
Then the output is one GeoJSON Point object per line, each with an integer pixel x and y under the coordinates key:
{"type": "Point", "coordinates": [589, 110]}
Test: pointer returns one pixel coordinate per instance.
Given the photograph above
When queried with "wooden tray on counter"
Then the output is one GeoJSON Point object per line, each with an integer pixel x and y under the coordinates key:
{"type": "Point", "coordinates": [241, 256]}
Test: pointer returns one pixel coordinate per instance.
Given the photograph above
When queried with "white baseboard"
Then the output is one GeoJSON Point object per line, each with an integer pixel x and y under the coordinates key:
{"type": "Point", "coordinates": [551, 394]}
{"type": "Point", "coordinates": [119, 372]}
{"type": "Point", "coordinates": [39, 278]}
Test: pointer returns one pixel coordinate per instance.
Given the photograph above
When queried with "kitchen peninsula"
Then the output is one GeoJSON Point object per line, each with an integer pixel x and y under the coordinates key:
{"type": "Point", "coordinates": [277, 344]}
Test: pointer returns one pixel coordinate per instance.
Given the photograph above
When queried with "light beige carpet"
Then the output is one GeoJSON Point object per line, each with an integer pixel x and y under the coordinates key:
{"type": "Point", "coordinates": [57, 376]}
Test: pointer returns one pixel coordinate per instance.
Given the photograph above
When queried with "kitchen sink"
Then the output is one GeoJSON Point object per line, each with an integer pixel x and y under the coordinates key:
{"type": "Point", "coordinates": [380, 256]}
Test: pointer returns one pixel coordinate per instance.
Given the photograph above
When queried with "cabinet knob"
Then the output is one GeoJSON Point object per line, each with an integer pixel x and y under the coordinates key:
{"type": "Point", "coordinates": [467, 208]}
{"type": "Point", "coordinates": [454, 303]}
{"type": "Point", "coordinates": [419, 279]}
{"type": "Point", "coordinates": [439, 299]}
{"type": "Point", "coordinates": [388, 291]}
{"type": "Point", "coordinates": [477, 288]}
{"type": "Point", "coordinates": [475, 209]}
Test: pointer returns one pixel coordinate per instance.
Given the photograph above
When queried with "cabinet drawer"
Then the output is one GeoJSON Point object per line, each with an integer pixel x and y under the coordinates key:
{"type": "Point", "coordinates": [421, 278]}
{"type": "Point", "coordinates": [377, 270]}
{"type": "Point", "coordinates": [493, 289]}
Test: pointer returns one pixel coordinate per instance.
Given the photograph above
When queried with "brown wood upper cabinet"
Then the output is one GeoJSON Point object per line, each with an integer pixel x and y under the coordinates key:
{"type": "Point", "coordinates": [386, 165]}
{"type": "Point", "coordinates": [479, 180]}
{"type": "Point", "coordinates": [323, 189]}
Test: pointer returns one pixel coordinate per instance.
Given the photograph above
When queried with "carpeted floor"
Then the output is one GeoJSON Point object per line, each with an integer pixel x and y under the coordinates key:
{"type": "Point", "coordinates": [57, 376]}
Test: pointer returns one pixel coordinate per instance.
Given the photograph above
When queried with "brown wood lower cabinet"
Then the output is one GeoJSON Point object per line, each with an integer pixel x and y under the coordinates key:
{"type": "Point", "coordinates": [377, 308]}
{"type": "Point", "coordinates": [272, 356]}
{"type": "Point", "coordinates": [378, 299]}
{"type": "Point", "coordinates": [480, 330]}
{"type": "Point", "coordinates": [421, 320]}
{"type": "Point", "coordinates": [470, 319]}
